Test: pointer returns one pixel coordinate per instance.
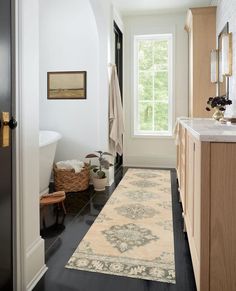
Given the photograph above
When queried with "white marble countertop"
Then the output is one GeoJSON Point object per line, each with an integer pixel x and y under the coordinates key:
{"type": "Point", "coordinates": [209, 130]}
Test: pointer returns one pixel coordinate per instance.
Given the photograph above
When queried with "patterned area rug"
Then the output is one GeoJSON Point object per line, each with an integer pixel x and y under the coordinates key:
{"type": "Point", "coordinates": [133, 234]}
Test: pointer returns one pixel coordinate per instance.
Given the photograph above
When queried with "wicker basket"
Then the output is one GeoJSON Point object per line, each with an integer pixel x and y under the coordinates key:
{"type": "Point", "coordinates": [69, 181]}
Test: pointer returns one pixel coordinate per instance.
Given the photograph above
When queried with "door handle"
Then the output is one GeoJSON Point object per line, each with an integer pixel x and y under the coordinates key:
{"type": "Point", "coordinates": [5, 126]}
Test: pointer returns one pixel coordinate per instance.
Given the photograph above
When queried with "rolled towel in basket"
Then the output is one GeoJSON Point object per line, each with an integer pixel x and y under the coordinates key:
{"type": "Point", "coordinates": [71, 164]}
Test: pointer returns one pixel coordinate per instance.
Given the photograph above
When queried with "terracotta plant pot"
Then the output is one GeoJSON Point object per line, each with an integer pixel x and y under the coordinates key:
{"type": "Point", "coordinates": [99, 184]}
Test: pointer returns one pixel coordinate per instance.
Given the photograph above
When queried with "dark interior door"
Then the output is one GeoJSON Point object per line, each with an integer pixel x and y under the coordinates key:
{"type": "Point", "coordinates": [119, 66]}
{"type": "Point", "coordinates": [6, 278]}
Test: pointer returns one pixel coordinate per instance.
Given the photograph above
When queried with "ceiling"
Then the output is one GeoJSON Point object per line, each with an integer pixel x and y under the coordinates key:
{"type": "Point", "coordinates": [127, 7]}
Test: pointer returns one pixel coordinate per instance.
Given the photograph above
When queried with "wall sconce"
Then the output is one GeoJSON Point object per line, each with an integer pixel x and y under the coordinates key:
{"type": "Point", "coordinates": [227, 54]}
{"type": "Point", "coordinates": [220, 75]}
{"type": "Point", "coordinates": [214, 66]}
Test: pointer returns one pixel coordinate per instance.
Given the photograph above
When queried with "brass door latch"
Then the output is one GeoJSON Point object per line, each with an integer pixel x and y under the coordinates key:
{"type": "Point", "coordinates": [5, 125]}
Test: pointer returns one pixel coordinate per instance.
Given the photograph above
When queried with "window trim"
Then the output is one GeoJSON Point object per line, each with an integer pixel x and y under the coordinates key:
{"type": "Point", "coordinates": [159, 36]}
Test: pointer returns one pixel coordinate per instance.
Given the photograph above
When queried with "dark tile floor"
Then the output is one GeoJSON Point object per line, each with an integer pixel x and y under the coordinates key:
{"type": "Point", "coordinates": [60, 243]}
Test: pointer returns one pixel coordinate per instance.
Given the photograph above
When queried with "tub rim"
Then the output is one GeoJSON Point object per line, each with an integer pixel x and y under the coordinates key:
{"type": "Point", "coordinates": [55, 137]}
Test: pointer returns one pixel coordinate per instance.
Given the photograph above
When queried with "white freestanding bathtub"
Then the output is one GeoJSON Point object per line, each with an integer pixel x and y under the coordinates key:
{"type": "Point", "coordinates": [47, 148]}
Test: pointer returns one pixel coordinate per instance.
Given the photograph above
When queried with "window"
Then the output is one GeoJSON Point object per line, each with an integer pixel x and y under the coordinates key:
{"type": "Point", "coordinates": [153, 85]}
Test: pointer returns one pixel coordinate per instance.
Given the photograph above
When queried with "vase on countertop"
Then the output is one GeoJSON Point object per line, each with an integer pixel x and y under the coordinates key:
{"type": "Point", "coordinates": [218, 114]}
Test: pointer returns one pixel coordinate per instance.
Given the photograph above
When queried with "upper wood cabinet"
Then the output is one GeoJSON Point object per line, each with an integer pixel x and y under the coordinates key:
{"type": "Point", "coordinates": [201, 27]}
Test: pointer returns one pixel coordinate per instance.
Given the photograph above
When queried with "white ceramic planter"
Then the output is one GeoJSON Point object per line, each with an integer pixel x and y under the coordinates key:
{"type": "Point", "coordinates": [99, 184]}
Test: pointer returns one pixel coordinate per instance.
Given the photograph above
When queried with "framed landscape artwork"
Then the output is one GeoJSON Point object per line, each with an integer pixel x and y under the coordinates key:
{"type": "Point", "coordinates": [66, 85]}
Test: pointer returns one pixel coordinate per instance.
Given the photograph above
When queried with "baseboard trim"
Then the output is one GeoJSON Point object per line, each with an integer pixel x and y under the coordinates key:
{"type": "Point", "coordinates": [36, 278]}
{"type": "Point", "coordinates": [150, 162]}
{"type": "Point", "coordinates": [34, 263]}
{"type": "Point", "coordinates": [148, 166]}
{"type": "Point", "coordinates": [34, 246]}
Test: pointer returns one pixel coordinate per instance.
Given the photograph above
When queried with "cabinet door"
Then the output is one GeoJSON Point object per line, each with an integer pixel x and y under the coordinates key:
{"type": "Point", "coordinates": [197, 199]}
{"type": "Point", "coordinates": [190, 184]}
{"type": "Point", "coordinates": [178, 168]}
{"type": "Point", "coordinates": [201, 26]}
{"type": "Point", "coordinates": [223, 217]}
{"type": "Point", "coordinates": [178, 162]}
{"type": "Point", "coordinates": [181, 170]}
{"type": "Point", "coordinates": [193, 202]}
{"type": "Point", "coordinates": [182, 167]}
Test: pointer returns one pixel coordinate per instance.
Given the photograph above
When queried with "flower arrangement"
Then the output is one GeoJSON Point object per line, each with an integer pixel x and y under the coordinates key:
{"type": "Point", "coordinates": [218, 102]}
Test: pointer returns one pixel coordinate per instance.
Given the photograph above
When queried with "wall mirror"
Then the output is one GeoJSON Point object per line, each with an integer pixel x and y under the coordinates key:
{"type": "Point", "coordinates": [223, 81]}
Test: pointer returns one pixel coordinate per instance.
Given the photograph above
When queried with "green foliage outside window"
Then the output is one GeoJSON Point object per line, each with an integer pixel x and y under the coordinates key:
{"type": "Point", "coordinates": [153, 85]}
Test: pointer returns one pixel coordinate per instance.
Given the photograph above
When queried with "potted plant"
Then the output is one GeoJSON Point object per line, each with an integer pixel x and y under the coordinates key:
{"type": "Point", "coordinates": [99, 176]}
{"type": "Point", "coordinates": [219, 103]}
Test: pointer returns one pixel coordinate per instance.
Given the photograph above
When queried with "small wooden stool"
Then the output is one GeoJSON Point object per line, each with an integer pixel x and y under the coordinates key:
{"type": "Point", "coordinates": [53, 198]}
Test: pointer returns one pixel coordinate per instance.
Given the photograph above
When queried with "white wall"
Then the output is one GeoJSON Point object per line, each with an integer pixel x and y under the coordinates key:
{"type": "Point", "coordinates": [155, 152]}
{"type": "Point", "coordinates": [226, 12]}
{"type": "Point", "coordinates": [78, 36]}
{"type": "Point", "coordinates": [102, 10]}
{"type": "Point", "coordinates": [69, 42]}
{"type": "Point", "coordinates": [30, 246]}
{"type": "Point", "coordinates": [65, 44]}
{"type": "Point", "coordinates": [105, 14]}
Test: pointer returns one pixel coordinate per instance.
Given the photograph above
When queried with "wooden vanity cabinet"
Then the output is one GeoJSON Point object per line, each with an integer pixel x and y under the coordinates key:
{"type": "Point", "coordinates": [210, 212]}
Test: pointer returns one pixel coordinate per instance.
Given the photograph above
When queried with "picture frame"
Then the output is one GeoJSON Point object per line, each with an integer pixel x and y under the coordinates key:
{"type": "Point", "coordinates": [67, 85]}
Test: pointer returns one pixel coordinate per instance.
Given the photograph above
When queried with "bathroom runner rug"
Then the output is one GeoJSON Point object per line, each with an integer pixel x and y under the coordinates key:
{"type": "Point", "coordinates": [133, 234]}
